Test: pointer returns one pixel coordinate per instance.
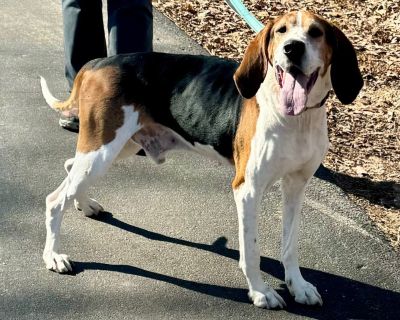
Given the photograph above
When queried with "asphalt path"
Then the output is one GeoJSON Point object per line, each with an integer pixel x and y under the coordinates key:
{"type": "Point", "coordinates": [167, 248]}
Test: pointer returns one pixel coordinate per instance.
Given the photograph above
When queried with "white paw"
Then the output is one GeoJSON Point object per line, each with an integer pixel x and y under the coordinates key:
{"type": "Point", "coordinates": [57, 262]}
{"type": "Point", "coordinates": [267, 298]}
{"type": "Point", "coordinates": [304, 292]}
{"type": "Point", "coordinates": [90, 207]}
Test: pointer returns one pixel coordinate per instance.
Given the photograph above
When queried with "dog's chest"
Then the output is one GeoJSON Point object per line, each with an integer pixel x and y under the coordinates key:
{"type": "Point", "coordinates": [295, 143]}
{"type": "Point", "coordinates": [303, 146]}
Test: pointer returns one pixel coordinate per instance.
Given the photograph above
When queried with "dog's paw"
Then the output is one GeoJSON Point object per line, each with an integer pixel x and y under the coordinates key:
{"type": "Point", "coordinates": [304, 292]}
{"type": "Point", "coordinates": [267, 298]}
{"type": "Point", "coordinates": [57, 262]}
{"type": "Point", "coordinates": [90, 207]}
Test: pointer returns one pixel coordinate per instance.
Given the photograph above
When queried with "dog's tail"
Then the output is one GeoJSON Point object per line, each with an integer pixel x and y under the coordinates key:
{"type": "Point", "coordinates": [70, 103]}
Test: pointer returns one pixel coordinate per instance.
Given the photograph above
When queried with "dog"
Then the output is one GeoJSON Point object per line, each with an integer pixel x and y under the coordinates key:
{"type": "Point", "coordinates": [264, 116]}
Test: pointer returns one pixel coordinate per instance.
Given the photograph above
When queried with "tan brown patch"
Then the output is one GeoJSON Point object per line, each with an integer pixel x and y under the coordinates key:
{"type": "Point", "coordinates": [100, 108]}
{"type": "Point", "coordinates": [274, 40]}
{"type": "Point", "coordinates": [288, 21]}
{"type": "Point", "coordinates": [71, 102]}
{"type": "Point", "coordinates": [253, 68]}
{"type": "Point", "coordinates": [244, 135]}
{"type": "Point", "coordinates": [307, 18]}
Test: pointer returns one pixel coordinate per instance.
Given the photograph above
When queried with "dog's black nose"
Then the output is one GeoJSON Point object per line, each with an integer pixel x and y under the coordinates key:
{"type": "Point", "coordinates": [294, 50]}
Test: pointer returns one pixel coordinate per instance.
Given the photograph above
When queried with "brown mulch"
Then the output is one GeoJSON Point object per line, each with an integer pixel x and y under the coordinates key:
{"type": "Point", "coordinates": [365, 136]}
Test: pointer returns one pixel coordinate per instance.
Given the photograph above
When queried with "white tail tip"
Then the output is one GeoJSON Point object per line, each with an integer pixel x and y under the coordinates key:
{"type": "Point", "coordinates": [50, 99]}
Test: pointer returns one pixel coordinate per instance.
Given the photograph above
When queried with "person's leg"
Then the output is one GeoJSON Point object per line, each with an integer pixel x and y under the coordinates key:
{"type": "Point", "coordinates": [84, 40]}
{"type": "Point", "coordinates": [84, 37]}
{"type": "Point", "coordinates": [130, 26]}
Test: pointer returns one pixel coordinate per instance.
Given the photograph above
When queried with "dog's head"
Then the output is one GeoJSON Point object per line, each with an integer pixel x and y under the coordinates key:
{"type": "Point", "coordinates": [307, 55]}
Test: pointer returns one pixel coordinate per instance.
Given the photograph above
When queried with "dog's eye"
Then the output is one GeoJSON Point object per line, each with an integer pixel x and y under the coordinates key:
{"type": "Point", "coordinates": [314, 32]}
{"type": "Point", "coordinates": [281, 29]}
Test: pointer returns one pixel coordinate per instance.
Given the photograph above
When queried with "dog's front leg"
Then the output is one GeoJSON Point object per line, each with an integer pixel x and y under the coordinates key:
{"type": "Point", "coordinates": [293, 188]}
{"type": "Point", "coordinates": [248, 199]}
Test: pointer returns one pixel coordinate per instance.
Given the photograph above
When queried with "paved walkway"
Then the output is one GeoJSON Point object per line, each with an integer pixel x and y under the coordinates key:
{"type": "Point", "coordinates": [168, 246]}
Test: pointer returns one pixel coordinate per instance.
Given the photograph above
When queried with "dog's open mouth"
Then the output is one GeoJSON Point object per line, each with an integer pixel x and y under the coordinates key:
{"type": "Point", "coordinates": [295, 87]}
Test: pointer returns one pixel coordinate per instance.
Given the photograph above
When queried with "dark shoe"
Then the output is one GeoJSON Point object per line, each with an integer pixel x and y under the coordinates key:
{"type": "Point", "coordinates": [69, 122]}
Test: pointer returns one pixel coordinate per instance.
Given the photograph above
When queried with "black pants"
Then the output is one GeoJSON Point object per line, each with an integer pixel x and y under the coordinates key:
{"type": "Point", "coordinates": [130, 29]}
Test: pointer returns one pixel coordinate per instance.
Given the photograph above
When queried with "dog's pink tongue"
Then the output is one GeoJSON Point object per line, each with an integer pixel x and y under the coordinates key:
{"type": "Point", "coordinates": [294, 93]}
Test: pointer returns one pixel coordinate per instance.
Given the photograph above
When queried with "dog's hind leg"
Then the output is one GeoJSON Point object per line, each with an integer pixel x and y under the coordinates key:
{"type": "Point", "coordinates": [83, 203]}
{"type": "Point", "coordinates": [86, 168]}
{"type": "Point", "coordinates": [68, 164]}
{"type": "Point", "coordinates": [56, 203]}
{"type": "Point", "coordinates": [293, 188]}
{"type": "Point", "coordinates": [88, 205]}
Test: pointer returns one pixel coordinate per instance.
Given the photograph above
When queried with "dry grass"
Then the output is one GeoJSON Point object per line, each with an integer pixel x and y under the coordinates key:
{"type": "Point", "coordinates": [365, 139]}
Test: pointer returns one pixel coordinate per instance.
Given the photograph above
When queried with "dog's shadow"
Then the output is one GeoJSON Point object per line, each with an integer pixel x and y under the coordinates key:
{"type": "Point", "coordinates": [343, 298]}
{"type": "Point", "coordinates": [383, 193]}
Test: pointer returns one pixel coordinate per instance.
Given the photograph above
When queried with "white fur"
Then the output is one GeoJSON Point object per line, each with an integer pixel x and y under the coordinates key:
{"type": "Point", "coordinates": [83, 170]}
{"type": "Point", "coordinates": [50, 99]}
{"type": "Point", "coordinates": [299, 19]}
{"type": "Point", "coordinates": [321, 87]}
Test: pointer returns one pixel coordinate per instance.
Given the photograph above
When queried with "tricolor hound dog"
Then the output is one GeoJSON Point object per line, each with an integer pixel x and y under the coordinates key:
{"type": "Point", "coordinates": [264, 116]}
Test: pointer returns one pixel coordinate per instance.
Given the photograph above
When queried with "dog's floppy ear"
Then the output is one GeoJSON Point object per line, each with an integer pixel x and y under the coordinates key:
{"type": "Point", "coordinates": [345, 75]}
{"type": "Point", "coordinates": [253, 68]}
